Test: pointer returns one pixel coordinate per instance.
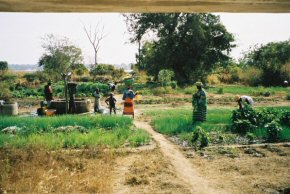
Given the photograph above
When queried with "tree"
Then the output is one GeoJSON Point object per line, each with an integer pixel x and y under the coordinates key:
{"type": "Point", "coordinates": [60, 56]}
{"type": "Point", "coordinates": [3, 66]}
{"type": "Point", "coordinates": [165, 76]}
{"type": "Point", "coordinates": [95, 39]}
{"type": "Point", "coordinates": [192, 45]}
{"type": "Point", "coordinates": [273, 59]}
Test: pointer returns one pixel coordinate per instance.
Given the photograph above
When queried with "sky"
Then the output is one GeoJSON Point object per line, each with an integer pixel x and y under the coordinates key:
{"type": "Point", "coordinates": [21, 34]}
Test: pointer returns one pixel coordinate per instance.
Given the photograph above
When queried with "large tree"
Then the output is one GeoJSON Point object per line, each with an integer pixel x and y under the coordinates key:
{"type": "Point", "coordinates": [189, 44]}
{"type": "Point", "coordinates": [273, 59]}
{"type": "Point", "coordinates": [60, 56]}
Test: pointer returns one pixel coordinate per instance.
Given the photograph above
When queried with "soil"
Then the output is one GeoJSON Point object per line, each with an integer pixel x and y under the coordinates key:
{"type": "Point", "coordinates": [161, 167]}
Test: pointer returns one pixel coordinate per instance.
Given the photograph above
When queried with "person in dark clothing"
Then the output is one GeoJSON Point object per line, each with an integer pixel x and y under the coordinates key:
{"type": "Point", "coordinates": [111, 101]}
{"type": "Point", "coordinates": [48, 93]}
{"type": "Point", "coordinates": [72, 92]}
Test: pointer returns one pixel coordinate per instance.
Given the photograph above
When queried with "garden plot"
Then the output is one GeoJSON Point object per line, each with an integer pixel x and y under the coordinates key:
{"type": "Point", "coordinates": [232, 157]}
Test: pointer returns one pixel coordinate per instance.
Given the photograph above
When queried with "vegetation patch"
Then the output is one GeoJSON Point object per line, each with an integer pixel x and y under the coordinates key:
{"type": "Point", "coordinates": [223, 126]}
{"type": "Point", "coordinates": [70, 132]}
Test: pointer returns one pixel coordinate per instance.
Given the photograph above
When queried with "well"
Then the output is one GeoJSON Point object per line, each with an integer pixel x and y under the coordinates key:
{"type": "Point", "coordinates": [82, 105]}
{"type": "Point", "coordinates": [9, 109]}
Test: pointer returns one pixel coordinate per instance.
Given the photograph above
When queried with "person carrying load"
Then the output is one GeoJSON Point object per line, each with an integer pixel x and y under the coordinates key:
{"type": "Point", "coordinates": [244, 100]}
{"type": "Point", "coordinates": [128, 96]}
{"type": "Point", "coordinates": [199, 104]}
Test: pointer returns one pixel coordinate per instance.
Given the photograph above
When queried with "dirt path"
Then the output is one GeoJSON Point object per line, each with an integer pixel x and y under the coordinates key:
{"type": "Point", "coordinates": [183, 167]}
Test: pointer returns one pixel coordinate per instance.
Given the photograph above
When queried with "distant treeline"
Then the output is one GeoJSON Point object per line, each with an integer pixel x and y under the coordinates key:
{"type": "Point", "coordinates": [35, 67]}
{"type": "Point", "coordinates": [24, 67]}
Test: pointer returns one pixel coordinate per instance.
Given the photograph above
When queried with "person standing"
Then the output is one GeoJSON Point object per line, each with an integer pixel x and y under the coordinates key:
{"type": "Point", "coordinates": [111, 101]}
{"type": "Point", "coordinates": [97, 96]}
{"type": "Point", "coordinates": [48, 93]}
{"type": "Point", "coordinates": [128, 96]}
{"type": "Point", "coordinates": [72, 92]}
{"type": "Point", "coordinates": [199, 103]}
{"type": "Point", "coordinates": [244, 100]}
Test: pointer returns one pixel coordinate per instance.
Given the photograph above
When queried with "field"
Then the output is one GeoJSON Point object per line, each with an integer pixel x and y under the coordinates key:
{"type": "Point", "coordinates": [154, 153]}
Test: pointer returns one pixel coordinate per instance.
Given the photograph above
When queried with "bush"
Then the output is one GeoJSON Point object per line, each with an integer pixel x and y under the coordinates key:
{"type": "Point", "coordinates": [5, 93]}
{"type": "Point", "coordinates": [243, 126]}
{"type": "Point", "coordinates": [89, 87]}
{"type": "Point", "coordinates": [199, 137]}
{"type": "Point", "coordinates": [285, 118]}
{"type": "Point", "coordinates": [220, 91]}
{"type": "Point", "coordinates": [273, 130]}
{"type": "Point", "coordinates": [173, 84]}
{"type": "Point", "coordinates": [9, 77]}
{"type": "Point", "coordinates": [288, 96]}
{"type": "Point", "coordinates": [213, 79]}
{"type": "Point", "coordinates": [247, 113]}
{"type": "Point", "coordinates": [251, 76]}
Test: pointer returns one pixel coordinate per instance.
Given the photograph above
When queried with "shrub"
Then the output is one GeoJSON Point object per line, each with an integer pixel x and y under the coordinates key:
{"type": "Point", "coordinates": [213, 79]}
{"type": "Point", "coordinates": [250, 136]}
{"type": "Point", "coordinates": [243, 126]}
{"type": "Point", "coordinates": [288, 96]}
{"type": "Point", "coordinates": [9, 78]}
{"type": "Point", "coordinates": [273, 130]}
{"type": "Point", "coordinates": [220, 91]}
{"type": "Point", "coordinates": [247, 113]}
{"type": "Point", "coordinates": [199, 137]}
{"type": "Point", "coordinates": [285, 118]}
{"type": "Point", "coordinates": [251, 76]}
{"type": "Point", "coordinates": [5, 93]}
{"type": "Point", "coordinates": [173, 84]}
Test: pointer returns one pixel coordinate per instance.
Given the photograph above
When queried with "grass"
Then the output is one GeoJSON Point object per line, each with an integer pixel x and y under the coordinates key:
{"type": "Point", "coordinates": [179, 122]}
{"type": "Point", "coordinates": [239, 89]}
{"type": "Point", "coordinates": [172, 122]}
{"type": "Point", "coordinates": [46, 124]}
{"type": "Point", "coordinates": [100, 131]}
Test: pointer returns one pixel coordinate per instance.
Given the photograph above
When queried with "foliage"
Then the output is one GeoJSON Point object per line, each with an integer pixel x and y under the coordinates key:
{"type": "Point", "coordinates": [251, 76]}
{"type": "Point", "coordinates": [179, 122]}
{"type": "Point", "coordinates": [5, 93]}
{"type": "Point", "coordinates": [88, 88]}
{"type": "Point", "coordinates": [249, 120]}
{"type": "Point", "coordinates": [243, 126]}
{"type": "Point", "coordinates": [80, 69]}
{"type": "Point", "coordinates": [192, 45]}
{"type": "Point", "coordinates": [220, 91]}
{"type": "Point", "coordinates": [273, 128]}
{"type": "Point", "coordinates": [270, 58]}
{"type": "Point", "coordinates": [99, 130]}
{"type": "Point", "coordinates": [199, 137]}
{"type": "Point", "coordinates": [60, 56]}
{"type": "Point", "coordinates": [288, 96]}
{"type": "Point", "coordinates": [106, 69]}
{"type": "Point", "coordinates": [285, 118]}
{"type": "Point", "coordinates": [3, 66]}
{"type": "Point", "coordinates": [31, 77]}
{"type": "Point", "coordinates": [165, 76]}
{"type": "Point", "coordinates": [139, 137]}
{"type": "Point", "coordinates": [229, 74]}
{"type": "Point", "coordinates": [9, 78]}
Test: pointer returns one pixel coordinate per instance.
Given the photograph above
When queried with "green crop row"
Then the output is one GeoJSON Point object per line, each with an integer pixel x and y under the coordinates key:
{"type": "Point", "coordinates": [92, 131]}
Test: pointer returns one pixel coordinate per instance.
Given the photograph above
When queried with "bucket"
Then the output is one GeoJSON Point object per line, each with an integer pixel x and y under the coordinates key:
{"type": "Point", "coordinates": [50, 112]}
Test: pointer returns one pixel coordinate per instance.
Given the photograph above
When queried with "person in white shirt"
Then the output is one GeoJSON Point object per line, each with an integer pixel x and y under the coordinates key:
{"type": "Point", "coordinates": [243, 100]}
